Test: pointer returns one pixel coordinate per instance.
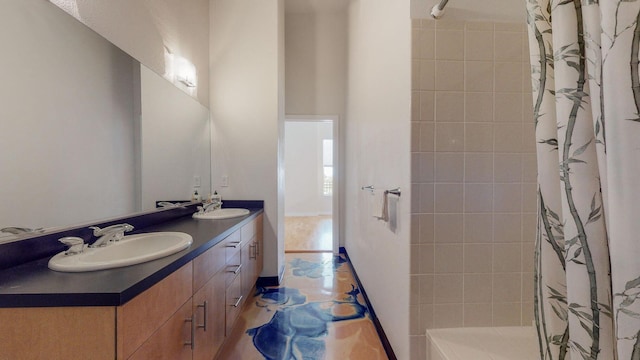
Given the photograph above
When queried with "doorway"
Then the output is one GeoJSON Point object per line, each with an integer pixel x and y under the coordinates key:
{"type": "Point", "coordinates": [310, 184]}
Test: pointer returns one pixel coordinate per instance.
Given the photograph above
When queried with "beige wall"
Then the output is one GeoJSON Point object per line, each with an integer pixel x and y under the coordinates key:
{"type": "Point", "coordinates": [143, 29]}
{"type": "Point", "coordinates": [473, 177]}
{"type": "Point", "coordinates": [378, 154]}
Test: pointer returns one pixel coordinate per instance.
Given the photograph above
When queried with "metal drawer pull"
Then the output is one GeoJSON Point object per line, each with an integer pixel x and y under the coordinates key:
{"type": "Point", "coordinates": [234, 244]}
{"type": "Point", "coordinates": [238, 301]}
{"type": "Point", "coordinates": [237, 270]}
{"type": "Point", "coordinates": [204, 323]}
{"type": "Point", "coordinates": [253, 252]}
{"type": "Point", "coordinates": [191, 343]}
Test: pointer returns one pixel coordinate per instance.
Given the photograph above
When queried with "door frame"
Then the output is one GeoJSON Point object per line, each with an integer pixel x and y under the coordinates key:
{"type": "Point", "coordinates": [337, 175]}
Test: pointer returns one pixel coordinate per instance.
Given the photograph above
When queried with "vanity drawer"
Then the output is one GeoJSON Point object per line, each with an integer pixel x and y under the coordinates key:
{"type": "Point", "coordinates": [232, 269]}
{"type": "Point", "coordinates": [234, 301]}
{"type": "Point", "coordinates": [249, 231]}
{"type": "Point", "coordinates": [232, 246]}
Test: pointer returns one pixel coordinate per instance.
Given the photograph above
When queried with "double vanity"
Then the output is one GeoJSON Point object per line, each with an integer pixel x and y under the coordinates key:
{"type": "Point", "coordinates": [179, 306]}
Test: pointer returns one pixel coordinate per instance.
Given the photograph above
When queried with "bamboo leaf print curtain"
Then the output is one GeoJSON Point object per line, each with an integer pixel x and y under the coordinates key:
{"type": "Point", "coordinates": [586, 92]}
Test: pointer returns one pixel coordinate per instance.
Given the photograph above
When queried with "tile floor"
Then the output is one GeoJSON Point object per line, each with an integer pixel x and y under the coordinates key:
{"type": "Point", "coordinates": [318, 312]}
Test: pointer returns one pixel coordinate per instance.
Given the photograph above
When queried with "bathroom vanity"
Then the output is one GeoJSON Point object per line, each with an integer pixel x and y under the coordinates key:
{"type": "Point", "coordinates": [178, 307]}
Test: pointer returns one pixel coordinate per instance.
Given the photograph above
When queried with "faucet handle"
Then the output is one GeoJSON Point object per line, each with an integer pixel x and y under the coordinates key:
{"type": "Point", "coordinates": [75, 244]}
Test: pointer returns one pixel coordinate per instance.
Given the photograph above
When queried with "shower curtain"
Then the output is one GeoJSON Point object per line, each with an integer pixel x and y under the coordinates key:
{"type": "Point", "coordinates": [586, 93]}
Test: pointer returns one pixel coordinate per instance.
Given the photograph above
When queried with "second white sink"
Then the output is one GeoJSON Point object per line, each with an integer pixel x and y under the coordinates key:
{"type": "Point", "coordinates": [219, 214]}
{"type": "Point", "coordinates": [132, 249]}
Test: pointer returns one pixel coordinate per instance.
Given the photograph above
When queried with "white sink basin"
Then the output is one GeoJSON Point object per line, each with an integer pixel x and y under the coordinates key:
{"type": "Point", "coordinates": [131, 250]}
{"type": "Point", "coordinates": [218, 214]}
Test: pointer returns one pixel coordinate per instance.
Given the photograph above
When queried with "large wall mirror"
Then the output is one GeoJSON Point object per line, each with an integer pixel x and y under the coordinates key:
{"type": "Point", "coordinates": [87, 132]}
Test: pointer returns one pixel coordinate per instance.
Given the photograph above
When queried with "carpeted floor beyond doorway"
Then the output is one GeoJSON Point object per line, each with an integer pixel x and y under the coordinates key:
{"type": "Point", "coordinates": [318, 312]}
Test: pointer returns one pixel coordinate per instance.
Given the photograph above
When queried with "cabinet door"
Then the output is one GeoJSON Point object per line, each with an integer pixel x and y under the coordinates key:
{"type": "Point", "coordinates": [248, 256]}
{"type": "Point", "coordinates": [171, 341]}
{"type": "Point", "coordinates": [209, 312]}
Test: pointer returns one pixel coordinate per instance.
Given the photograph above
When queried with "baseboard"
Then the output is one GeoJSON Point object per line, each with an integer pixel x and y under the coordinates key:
{"type": "Point", "coordinates": [265, 281]}
{"type": "Point", "coordinates": [383, 337]}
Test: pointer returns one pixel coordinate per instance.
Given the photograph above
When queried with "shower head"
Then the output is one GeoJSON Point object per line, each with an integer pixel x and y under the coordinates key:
{"type": "Point", "coordinates": [438, 9]}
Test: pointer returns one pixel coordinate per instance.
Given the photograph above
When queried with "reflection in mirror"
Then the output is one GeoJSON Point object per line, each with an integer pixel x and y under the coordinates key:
{"type": "Point", "coordinates": [76, 142]}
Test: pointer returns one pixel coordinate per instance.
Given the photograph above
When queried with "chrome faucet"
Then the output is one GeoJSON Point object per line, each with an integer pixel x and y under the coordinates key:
{"type": "Point", "coordinates": [109, 234]}
{"type": "Point", "coordinates": [207, 207]}
{"type": "Point", "coordinates": [75, 244]}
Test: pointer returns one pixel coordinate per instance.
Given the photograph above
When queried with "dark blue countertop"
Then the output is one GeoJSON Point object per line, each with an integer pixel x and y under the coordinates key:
{"type": "Point", "coordinates": [32, 284]}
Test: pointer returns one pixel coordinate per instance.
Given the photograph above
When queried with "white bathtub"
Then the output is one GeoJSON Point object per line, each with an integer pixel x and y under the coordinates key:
{"type": "Point", "coordinates": [483, 343]}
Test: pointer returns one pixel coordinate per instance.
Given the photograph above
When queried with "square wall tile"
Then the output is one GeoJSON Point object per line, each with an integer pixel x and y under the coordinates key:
{"type": "Point", "coordinates": [510, 26]}
{"type": "Point", "coordinates": [478, 288]}
{"type": "Point", "coordinates": [448, 259]}
{"type": "Point", "coordinates": [478, 258]}
{"type": "Point", "coordinates": [425, 259]}
{"type": "Point", "coordinates": [449, 24]}
{"type": "Point", "coordinates": [415, 259]}
{"type": "Point", "coordinates": [449, 44]}
{"type": "Point", "coordinates": [507, 258]}
{"type": "Point", "coordinates": [415, 74]}
{"type": "Point", "coordinates": [426, 228]}
{"type": "Point", "coordinates": [478, 167]}
{"type": "Point", "coordinates": [425, 198]}
{"type": "Point", "coordinates": [427, 106]}
{"type": "Point", "coordinates": [479, 137]}
{"type": "Point", "coordinates": [415, 106]}
{"type": "Point", "coordinates": [478, 107]}
{"type": "Point", "coordinates": [478, 228]}
{"type": "Point", "coordinates": [508, 46]}
{"type": "Point", "coordinates": [448, 228]}
{"type": "Point", "coordinates": [414, 321]}
{"type": "Point", "coordinates": [478, 198]}
{"type": "Point", "coordinates": [507, 287]}
{"type": "Point", "coordinates": [527, 108]}
{"type": "Point", "coordinates": [426, 41]}
{"type": "Point", "coordinates": [528, 138]}
{"type": "Point", "coordinates": [529, 168]}
{"type": "Point", "coordinates": [506, 198]}
{"type": "Point", "coordinates": [414, 289]}
{"type": "Point", "coordinates": [449, 167]}
{"type": "Point", "coordinates": [449, 106]}
{"type": "Point", "coordinates": [449, 75]}
{"type": "Point", "coordinates": [426, 289]}
{"type": "Point", "coordinates": [426, 317]}
{"type": "Point", "coordinates": [508, 107]}
{"type": "Point", "coordinates": [449, 137]}
{"type": "Point", "coordinates": [507, 228]}
{"type": "Point", "coordinates": [427, 136]}
{"type": "Point", "coordinates": [479, 25]}
{"type": "Point", "coordinates": [477, 315]}
{"type": "Point", "coordinates": [529, 198]}
{"type": "Point", "coordinates": [508, 137]}
{"type": "Point", "coordinates": [508, 168]}
{"type": "Point", "coordinates": [529, 227]}
{"type": "Point", "coordinates": [449, 288]}
{"type": "Point", "coordinates": [447, 315]}
{"type": "Point", "coordinates": [527, 286]}
{"type": "Point", "coordinates": [423, 165]}
{"type": "Point", "coordinates": [415, 229]}
{"type": "Point", "coordinates": [507, 314]}
{"type": "Point", "coordinates": [427, 75]}
{"type": "Point", "coordinates": [448, 198]}
{"type": "Point", "coordinates": [415, 136]}
{"type": "Point", "coordinates": [479, 45]}
{"type": "Point", "coordinates": [508, 77]}
{"type": "Point", "coordinates": [479, 76]}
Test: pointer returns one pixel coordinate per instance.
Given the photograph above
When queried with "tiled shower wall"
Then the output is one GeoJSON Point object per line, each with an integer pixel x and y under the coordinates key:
{"type": "Point", "coordinates": [473, 177]}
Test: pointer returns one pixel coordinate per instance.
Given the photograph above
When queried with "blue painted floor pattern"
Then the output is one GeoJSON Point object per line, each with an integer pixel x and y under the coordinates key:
{"type": "Point", "coordinates": [317, 313]}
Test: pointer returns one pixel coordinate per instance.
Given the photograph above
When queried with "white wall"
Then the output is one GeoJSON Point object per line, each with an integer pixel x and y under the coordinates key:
{"type": "Point", "coordinates": [67, 113]}
{"type": "Point", "coordinates": [247, 110]}
{"type": "Point", "coordinates": [174, 142]}
{"type": "Point", "coordinates": [144, 29]}
{"type": "Point", "coordinates": [304, 168]}
{"type": "Point", "coordinates": [378, 153]}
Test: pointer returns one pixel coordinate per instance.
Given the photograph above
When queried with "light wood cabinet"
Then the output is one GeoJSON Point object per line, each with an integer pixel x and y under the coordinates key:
{"type": "Point", "coordinates": [187, 315]}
